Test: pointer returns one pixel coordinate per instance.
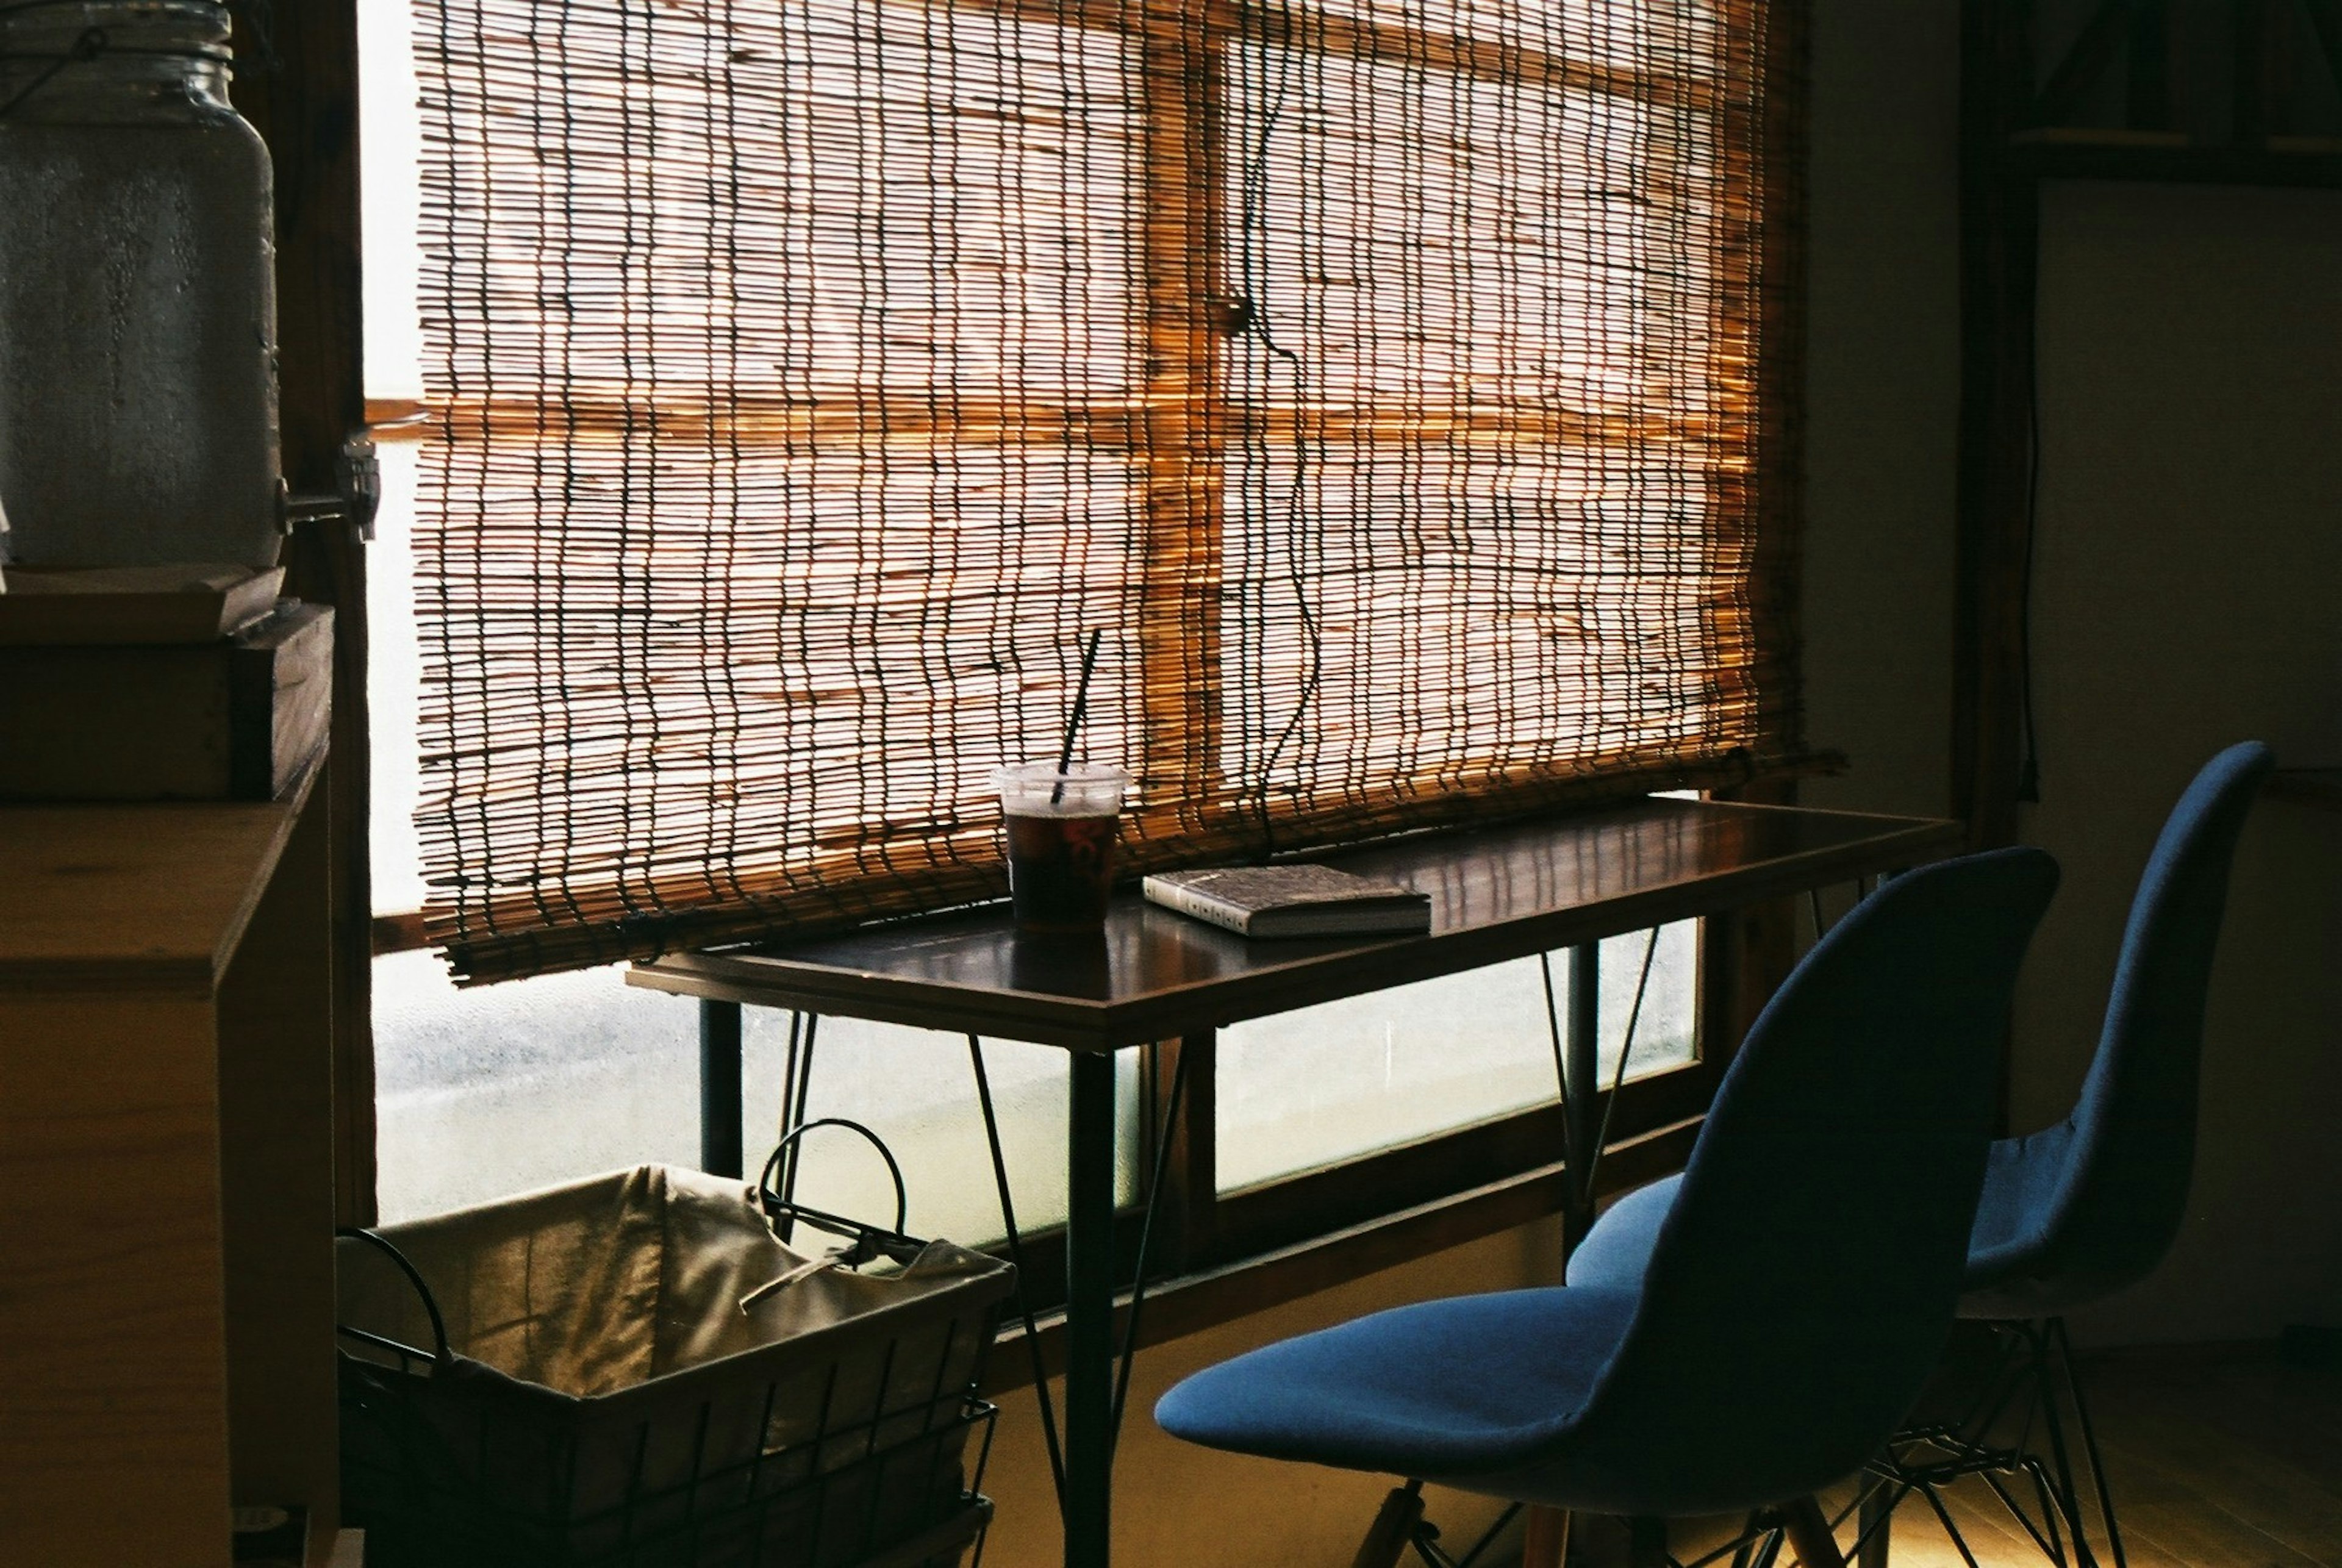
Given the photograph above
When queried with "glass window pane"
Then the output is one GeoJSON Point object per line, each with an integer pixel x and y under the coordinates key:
{"type": "Point", "coordinates": [1310, 1088]}
{"type": "Point", "coordinates": [501, 1088]}
{"type": "Point", "coordinates": [498, 1089]}
{"type": "Point", "coordinates": [917, 1090]}
{"type": "Point", "coordinates": [1666, 1028]}
{"type": "Point", "coordinates": [485, 1092]}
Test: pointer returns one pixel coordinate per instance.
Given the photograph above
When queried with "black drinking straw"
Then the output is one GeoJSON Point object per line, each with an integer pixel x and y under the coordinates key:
{"type": "Point", "coordinates": [1074, 719]}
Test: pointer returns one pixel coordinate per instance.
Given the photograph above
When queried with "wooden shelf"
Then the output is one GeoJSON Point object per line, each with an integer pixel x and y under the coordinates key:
{"type": "Point", "coordinates": [165, 1175]}
{"type": "Point", "coordinates": [2118, 156]}
{"type": "Point", "coordinates": [151, 899]}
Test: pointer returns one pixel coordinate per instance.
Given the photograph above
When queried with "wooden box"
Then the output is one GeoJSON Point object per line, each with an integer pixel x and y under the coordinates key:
{"type": "Point", "coordinates": [231, 718]}
{"type": "Point", "coordinates": [45, 607]}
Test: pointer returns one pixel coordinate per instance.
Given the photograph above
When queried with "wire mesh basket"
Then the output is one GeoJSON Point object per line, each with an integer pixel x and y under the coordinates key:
{"type": "Point", "coordinates": [633, 1372]}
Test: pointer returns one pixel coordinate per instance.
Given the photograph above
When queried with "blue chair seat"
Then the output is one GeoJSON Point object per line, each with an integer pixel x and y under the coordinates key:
{"type": "Point", "coordinates": [1470, 1385]}
{"type": "Point", "coordinates": [1500, 1394]}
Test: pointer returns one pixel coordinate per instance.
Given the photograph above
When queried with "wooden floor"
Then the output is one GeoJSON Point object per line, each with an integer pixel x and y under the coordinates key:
{"type": "Point", "coordinates": [2218, 1461]}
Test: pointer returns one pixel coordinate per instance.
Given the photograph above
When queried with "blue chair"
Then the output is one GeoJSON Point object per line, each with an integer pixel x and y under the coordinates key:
{"type": "Point", "coordinates": [2079, 1210]}
{"type": "Point", "coordinates": [1796, 1295]}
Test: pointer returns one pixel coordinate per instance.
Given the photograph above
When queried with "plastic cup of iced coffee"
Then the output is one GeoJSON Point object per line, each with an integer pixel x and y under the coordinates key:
{"type": "Point", "coordinates": [1060, 825]}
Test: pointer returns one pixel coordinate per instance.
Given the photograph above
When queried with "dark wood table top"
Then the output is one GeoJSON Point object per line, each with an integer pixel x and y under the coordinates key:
{"type": "Point", "coordinates": [1496, 894]}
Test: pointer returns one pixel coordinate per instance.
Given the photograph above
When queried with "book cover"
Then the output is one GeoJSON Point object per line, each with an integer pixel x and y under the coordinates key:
{"type": "Point", "coordinates": [1301, 899]}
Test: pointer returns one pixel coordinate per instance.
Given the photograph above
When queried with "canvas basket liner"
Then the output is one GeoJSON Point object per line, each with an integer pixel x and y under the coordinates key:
{"type": "Point", "coordinates": [606, 1387]}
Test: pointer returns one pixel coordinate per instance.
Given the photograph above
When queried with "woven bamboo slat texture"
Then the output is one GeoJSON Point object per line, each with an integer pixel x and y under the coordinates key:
{"type": "Point", "coordinates": [1388, 379]}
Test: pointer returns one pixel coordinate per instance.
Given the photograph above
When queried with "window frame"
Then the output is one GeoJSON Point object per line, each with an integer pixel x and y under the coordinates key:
{"type": "Point", "coordinates": [1176, 434]}
{"type": "Point", "coordinates": [296, 82]}
{"type": "Point", "coordinates": [1222, 1254]}
{"type": "Point", "coordinates": [1509, 1160]}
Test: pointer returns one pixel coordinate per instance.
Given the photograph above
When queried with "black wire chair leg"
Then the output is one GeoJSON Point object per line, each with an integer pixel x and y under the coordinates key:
{"type": "Point", "coordinates": [1943, 1517]}
{"type": "Point", "coordinates": [1966, 1448]}
{"type": "Point", "coordinates": [1426, 1545]}
{"type": "Point", "coordinates": [2065, 1348]}
{"type": "Point", "coordinates": [1488, 1536]}
{"type": "Point", "coordinates": [1878, 1492]}
{"type": "Point", "coordinates": [2069, 1500]}
{"type": "Point", "coordinates": [2052, 1545]}
{"type": "Point", "coordinates": [1400, 1522]}
{"type": "Point", "coordinates": [1966, 1440]}
{"type": "Point", "coordinates": [1392, 1529]}
{"type": "Point", "coordinates": [2010, 1375]}
{"type": "Point", "coordinates": [2045, 1492]}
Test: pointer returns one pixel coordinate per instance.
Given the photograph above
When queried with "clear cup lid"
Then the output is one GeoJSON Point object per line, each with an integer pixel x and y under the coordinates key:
{"type": "Point", "coordinates": [1015, 773]}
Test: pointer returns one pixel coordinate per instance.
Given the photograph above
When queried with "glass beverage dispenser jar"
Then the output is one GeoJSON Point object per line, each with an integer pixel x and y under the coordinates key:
{"type": "Point", "coordinates": [137, 296]}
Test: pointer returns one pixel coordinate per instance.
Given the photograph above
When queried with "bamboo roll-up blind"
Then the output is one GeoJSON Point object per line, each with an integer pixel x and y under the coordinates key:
{"type": "Point", "coordinates": [1400, 386]}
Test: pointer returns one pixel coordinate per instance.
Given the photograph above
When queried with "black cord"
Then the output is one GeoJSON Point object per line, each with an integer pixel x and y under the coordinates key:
{"type": "Point", "coordinates": [2029, 767]}
{"type": "Point", "coordinates": [89, 45]}
{"type": "Point", "coordinates": [1252, 319]}
{"type": "Point", "coordinates": [797, 1089]}
{"type": "Point", "coordinates": [260, 20]}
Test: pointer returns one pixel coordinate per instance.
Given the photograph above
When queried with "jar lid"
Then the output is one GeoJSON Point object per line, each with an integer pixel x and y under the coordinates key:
{"type": "Point", "coordinates": [53, 27]}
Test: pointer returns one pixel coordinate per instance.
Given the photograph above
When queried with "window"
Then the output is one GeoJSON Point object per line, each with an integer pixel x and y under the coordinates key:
{"type": "Point", "coordinates": [808, 380]}
{"type": "Point", "coordinates": [483, 1092]}
{"type": "Point", "coordinates": [1309, 1089]}
{"type": "Point", "coordinates": [1389, 379]}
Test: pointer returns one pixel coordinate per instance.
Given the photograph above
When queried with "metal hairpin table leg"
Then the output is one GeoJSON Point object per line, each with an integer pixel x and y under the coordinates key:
{"type": "Point", "coordinates": [1581, 1111]}
{"type": "Point", "coordinates": [720, 1088]}
{"type": "Point", "coordinates": [1089, 1309]}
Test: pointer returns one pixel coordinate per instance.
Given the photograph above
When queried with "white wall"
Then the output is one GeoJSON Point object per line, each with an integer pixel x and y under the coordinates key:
{"type": "Point", "coordinates": [2188, 567]}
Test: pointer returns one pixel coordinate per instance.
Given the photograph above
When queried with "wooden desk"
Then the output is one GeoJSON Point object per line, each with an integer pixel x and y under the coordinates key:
{"type": "Point", "coordinates": [1495, 894]}
{"type": "Point", "coordinates": [165, 1176]}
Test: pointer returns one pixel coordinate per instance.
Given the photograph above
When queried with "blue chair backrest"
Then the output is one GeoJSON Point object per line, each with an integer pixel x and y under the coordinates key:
{"type": "Point", "coordinates": [1803, 1285]}
{"type": "Point", "coordinates": [2134, 1145]}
